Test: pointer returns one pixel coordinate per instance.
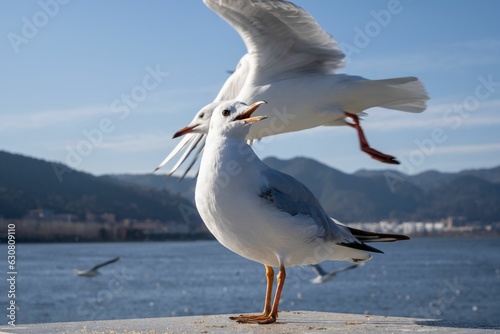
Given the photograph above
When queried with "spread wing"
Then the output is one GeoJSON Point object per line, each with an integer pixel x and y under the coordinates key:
{"type": "Point", "coordinates": [281, 37]}
{"type": "Point", "coordinates": [105, 263]}
{"type": "Point", "coordinates": [236, 80]}
{"type": "Point", "coordinates": [318, 270]}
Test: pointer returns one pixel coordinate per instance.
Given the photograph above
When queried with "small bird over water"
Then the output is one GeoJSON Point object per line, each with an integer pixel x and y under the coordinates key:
{"type": "Point", "coordinates": [265, 215]}
{"type": "Point", "coordinates": [324, 276]}
{"type": "Point", "coordinates": [94, 270]}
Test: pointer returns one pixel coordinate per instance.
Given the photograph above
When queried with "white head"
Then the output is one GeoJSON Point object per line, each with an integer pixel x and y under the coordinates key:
{"type": "Point", "coordinates": [233, 118]}
{"type": "Point", "coordinates": [200, 122]}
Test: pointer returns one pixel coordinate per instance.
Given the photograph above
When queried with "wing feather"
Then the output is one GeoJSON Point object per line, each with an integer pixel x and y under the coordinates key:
{"type": "Point", "coordinates": [280, 36]}
{"type": "Point", "coordinates": [236, 80]}
{"type": "Point", "coordinates": [289, 195]}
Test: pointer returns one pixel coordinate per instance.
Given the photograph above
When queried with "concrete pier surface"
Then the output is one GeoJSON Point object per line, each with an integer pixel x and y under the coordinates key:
{"type": "Point", "coordinates": [288, 322]}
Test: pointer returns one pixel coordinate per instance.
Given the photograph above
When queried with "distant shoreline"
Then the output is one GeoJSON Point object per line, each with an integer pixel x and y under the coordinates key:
{"type": "Point", "coordinates": [209, 237]}
{"type": "Point", "coordinates": [31, 231]}
{"type": "Point", "coordinates": [77, 239]}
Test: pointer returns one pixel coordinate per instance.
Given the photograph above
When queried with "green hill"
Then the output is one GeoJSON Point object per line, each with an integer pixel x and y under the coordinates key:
{"type": "Point", "coordinates": [27, 183]}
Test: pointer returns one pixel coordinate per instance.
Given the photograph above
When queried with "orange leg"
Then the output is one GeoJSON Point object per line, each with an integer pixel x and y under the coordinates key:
{"type": "Point", "coordinates": [250, 318]}
{"type": "Point", "coordinates": [365, 147]}
{"type": "Point", "coordinates": [281, 282]}
{"type": "Point", "coordinates": [269, 316]}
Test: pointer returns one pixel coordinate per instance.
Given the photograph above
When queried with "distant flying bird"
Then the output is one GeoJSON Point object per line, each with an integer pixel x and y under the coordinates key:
{"type": "Point", "coordinates": [93, 271]}
{"type": "Point", "coordinates": [291, 63]}
{"type": "Point", "coordinates": [324, 276]}
{"type": "Point", "coordinates": [263, 214]}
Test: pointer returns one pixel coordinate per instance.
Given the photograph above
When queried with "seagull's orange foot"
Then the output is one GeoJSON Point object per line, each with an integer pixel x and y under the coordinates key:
{"type": "Point", "coordinates": [261, 319]}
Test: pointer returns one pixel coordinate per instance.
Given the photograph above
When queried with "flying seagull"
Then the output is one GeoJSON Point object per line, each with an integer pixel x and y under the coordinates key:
{"type": "Point", "coordinates": [323, 276]}
{"type": "Point", "coordinates": [291, 62]}
{"type": "Point", "coordinates": [94, 270]}
{"type": "Point", "coordinates": [265, 215]}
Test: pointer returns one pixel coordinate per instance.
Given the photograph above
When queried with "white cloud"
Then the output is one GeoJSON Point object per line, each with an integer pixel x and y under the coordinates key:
{"type": "Point", "coordinates": [468, 149]}
{"type": "Point", "coordinates": [445, 57]}
{"type": "Point", "coordinates": [479, 44]}
{"type": "Point", "coordinates": [140, 142]}
{"type": "Point", "coordinates": [45, 118]}
{"type": "Point", "coordinates": [137, 142]}
{"type": "Point", "coordinates": [440, 115]}
{"type": "Point", "coordinates": [454, 151]}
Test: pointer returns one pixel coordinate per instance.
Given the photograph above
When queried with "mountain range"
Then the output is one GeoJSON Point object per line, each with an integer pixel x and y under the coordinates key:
{"type": "Point", "coordinates": [474, 195]}
{"type": "Point", "coordinates": [471, 195]}
{"type": "Point", "coordinates": [27, 184]}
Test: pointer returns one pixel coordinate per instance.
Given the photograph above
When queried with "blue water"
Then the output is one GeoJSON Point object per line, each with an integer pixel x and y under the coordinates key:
{"type": "Point", "coordinates": [444, 278]}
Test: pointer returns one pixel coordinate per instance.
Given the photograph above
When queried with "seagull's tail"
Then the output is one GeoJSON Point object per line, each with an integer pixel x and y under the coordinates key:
{"type": "Point", "coordinates": [405, 94]}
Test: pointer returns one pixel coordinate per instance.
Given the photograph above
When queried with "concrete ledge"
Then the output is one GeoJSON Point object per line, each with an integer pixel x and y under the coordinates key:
{"type": "Point", "coordinates": [288, 322]}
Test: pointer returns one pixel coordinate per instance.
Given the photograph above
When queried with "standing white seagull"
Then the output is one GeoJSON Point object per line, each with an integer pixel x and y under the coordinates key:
{"type": "Point", "coordinates": [265, 215]}
{"type": "Point", "coordinates": [291, 62]}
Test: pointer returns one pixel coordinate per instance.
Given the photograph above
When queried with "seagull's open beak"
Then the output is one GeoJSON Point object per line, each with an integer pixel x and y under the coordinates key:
{"type": "Point", "coordinates": [245, 116]}
{"type": "Point", "coordinates": [185, 130]}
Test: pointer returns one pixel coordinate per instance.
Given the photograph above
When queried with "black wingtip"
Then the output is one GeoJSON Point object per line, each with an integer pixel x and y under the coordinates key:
{"type": "Point", "coordinates": [367, 236]}
{"type": "Point", "coordinates": [362, 246]}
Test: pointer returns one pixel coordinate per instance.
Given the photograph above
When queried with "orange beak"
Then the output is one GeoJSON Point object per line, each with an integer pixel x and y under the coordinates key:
{"type": "Point", "coordinates": [245, 116]}
{"type": "Point", "coordinates": [185, 130]}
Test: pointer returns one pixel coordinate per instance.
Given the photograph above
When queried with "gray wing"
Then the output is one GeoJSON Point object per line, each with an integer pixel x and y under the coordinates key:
{"type": "Point", "coordinates": [354, 266]}
{"type": "Point", "coordinates": [318, 270]}
{"type": "Point", "coordinates": [281, 36]}
{"type": "Point", "coordinates": [105, 263]}
{"type": "Point", "coordinates": [323, 276]}
{"type": "Point", "coordinates": [289, 195]}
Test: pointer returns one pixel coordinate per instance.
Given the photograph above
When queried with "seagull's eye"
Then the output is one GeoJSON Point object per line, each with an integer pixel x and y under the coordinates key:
{"type": "Point", "coordinates": [201, 115]}
{"type": "Point", "coordinates": [226, 112]}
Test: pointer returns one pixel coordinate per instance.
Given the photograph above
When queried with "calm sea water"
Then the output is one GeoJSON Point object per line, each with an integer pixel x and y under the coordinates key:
{"type": "Point", "coordinates": [445, 278]}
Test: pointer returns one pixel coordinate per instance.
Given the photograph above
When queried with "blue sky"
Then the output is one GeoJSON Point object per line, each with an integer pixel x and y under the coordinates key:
{"type": "Point", "coordinates": [68, 69]}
